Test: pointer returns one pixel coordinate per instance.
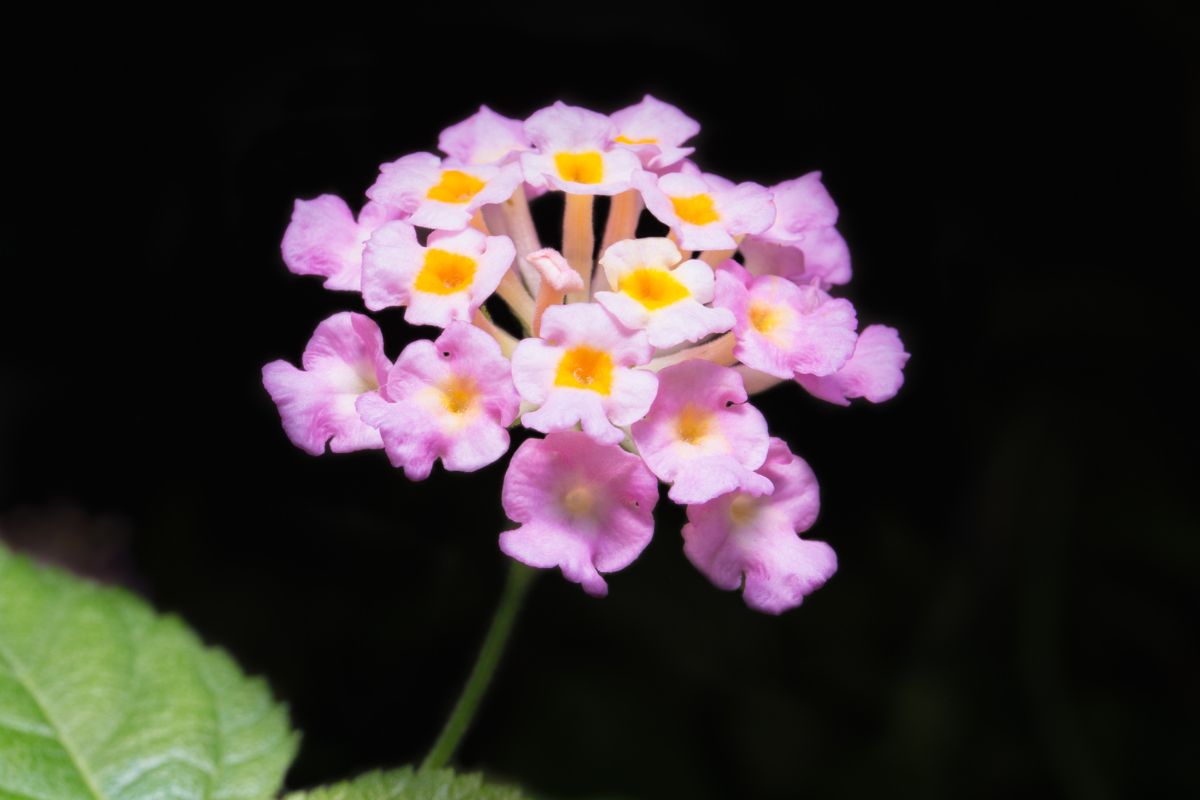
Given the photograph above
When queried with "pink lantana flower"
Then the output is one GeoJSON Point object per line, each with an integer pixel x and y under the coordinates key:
{"type": "Point", "coordinates": [821, 256]}
{"type": "Point", "coordinates": [741, 540]}
{"type": "Point", "coordinates": [581, 371]}
{"type": "Point", "coordinates": [343, 361]}
{"type": "Point", "coordinates": [801, 205]}
{"type": "Point", "coordinates": [435, 194]}
{"type": "Point", "coordinates": [802, 244]}
{"type": "Point", "coordinates": [452, 399]}
{"type": "Point", "coordinates": [701, 435]}
{"type": "Point", "coordinates": [640, 365]}
{"type": "Point", "coordinates": [323, 238]}
{"type": "Point", "coordinates": [706, 212]}
{"type": "Point", "coordinates": [485, 137]}
{"type": "Point", "coordinates": [656, 293]}
{"type": "Point", "coordinates": [584, 507]}
{"type": "Point", "coordinates": [783, 329]}
{"type": "Point", "coordinates": [655, 131]}
{"type": "Point", "coordinates": [575, 153]}
{"type": "Point", "coordinates": [875, 371]}
{"type": "Point", "coordinates": [446, 279]}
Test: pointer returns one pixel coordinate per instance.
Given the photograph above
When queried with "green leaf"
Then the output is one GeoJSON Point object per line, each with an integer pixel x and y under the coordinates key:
{"type": "Point", "coordinates": [102, 699]}
{"type": "Point", "coordinates": [407, 784]}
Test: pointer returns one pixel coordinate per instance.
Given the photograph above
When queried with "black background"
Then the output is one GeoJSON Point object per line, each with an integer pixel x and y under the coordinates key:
{"type": "Point", "coordinates": [1015, 609]}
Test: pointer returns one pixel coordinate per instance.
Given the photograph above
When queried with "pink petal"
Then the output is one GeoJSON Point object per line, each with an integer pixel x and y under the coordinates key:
{"type": "Point", "coordinates": [664, 123]}
{"type": "Point", "coordinates": [485, 137]}
{"type": "Point", "coordinates": [324, 239]}
{"type": "Point", "coordinates": [343, 361]}
{"type": "Point", "coordinates": [741, 209]}
{"type": "Point", "coordinates": [590, 324]}
{"type": "Point", "coordinates": [726, 441]}
{"type": "Point", "coordinates": [801, 205]}
{"type": "Point", "coordinates": [394, 258]}
{"type": "Point", "coordinates": [420, 425]}
{"type": "Point", "coordinates": [822, 255]}
{"type": "Point", "coordinates": [536, 361]}
{"type": "Point", "coordinates": [875, 370]}
{"type": "Point", "coordinates": [561, 127]}
{"type": "Point", "coordinates": [739, 540]}
{"type": "Point", "coordinates": [810, 333]}
{"type": "Point", "coordinates": [583, 507]}
{"type": "Point", "coordinates": [406, 182]}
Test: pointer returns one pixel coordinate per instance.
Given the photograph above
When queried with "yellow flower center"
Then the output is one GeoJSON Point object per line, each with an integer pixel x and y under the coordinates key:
{"type": "Point", "coordinates": [653, 288]}
{"type": "Point", "coordinates": [579, 501]}
{"type": "Point", "coordinates": [580, 167]}
{"type": "Point", "coordinates": [585, 367]}
{"type": "Point", "coordinates": [695, 210]}
{"type": "Point", "coordinates": [458, 394]}
{"type": "Point", "coordinates": [364, 372]}
{"type": "Point", "coordinates": [743, 509]}
{"type": "Point", "coordinates": [444, 272]}
{"type": "Point", "coordinates": [764, 317]}
{"type": "Point", "coordinates": [455, 187]}
{"type": "Point", "coordinates": [623, 139]}
{"type": "Point", "coordinates": [693, 424]}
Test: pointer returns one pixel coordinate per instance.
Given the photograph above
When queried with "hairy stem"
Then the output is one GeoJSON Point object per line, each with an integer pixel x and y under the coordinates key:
{"type": "Point", "coordinates": [512, 292]}
{"type": "Point", "coordinates": [579, 240]}
{"type": "Point", "coordinates": [623, 213]}
{"type": "Point", "coordinates": [714, 258]}
{"type": "Point", "coordinates": [719, 351]}
{"type": "Point", "coordinates": [483, 321]}
{"type": "Point", "coordinates": [515, 588]}
{"type": "Point", "coordinates": [756, 381]}
{"type": "Point", "coordinates": [512, 219]}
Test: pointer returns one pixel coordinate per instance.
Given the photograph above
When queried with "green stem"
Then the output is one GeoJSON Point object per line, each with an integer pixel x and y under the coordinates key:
{"type": "Point", "coordinates": [515, 588]}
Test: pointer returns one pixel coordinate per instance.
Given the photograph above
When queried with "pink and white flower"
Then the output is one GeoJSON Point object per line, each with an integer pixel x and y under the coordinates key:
{"type": "Point", "coordinates": [452, 399]}
{"type": "Point", "coordinates": [875, 371]}
{"type": "Point", "coordinates": [324, 239]}
{"type": "Point", "coordinates": [631, 358]}
{"type": "Point", "coordinates": [655, 131]}
{"type": "Point", "coordinates": [575, 153]}
{"type": "Point", "coordinates": [701, 435]}
{"type": "Point", "coordinates": [657, 294]}
{"type": "Point", "coordinates": [706, 212]}
{"type": "Point", "coordinates": [432, 193]}
{"type": "Point", "coordinates": [581, 371]}
{"type": "Point", "coordinates": [741, 540]}
{"type": "Point", "coordinates": [485, 137]}
{"type": "Point", "coordinates": [444, 280]}
{"type": "Point", "coordinates": [343, 361]}
{"type": "Point", "coordinates": [584, 507]}
{"type": "Point", "coordinates": [783, 329]}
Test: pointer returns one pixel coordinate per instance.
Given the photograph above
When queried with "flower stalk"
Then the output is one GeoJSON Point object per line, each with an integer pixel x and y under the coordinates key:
{"type": "Point", "coordinates": [516, 587]}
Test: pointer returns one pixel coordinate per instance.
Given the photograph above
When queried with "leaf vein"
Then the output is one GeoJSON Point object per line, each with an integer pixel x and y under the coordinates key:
{"type": "Point", "coordinates": [19, 672]}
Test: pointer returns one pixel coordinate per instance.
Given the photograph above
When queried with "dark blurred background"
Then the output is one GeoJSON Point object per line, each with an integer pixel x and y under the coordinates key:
{"type": "Point", "coordinates": [1015, 610]}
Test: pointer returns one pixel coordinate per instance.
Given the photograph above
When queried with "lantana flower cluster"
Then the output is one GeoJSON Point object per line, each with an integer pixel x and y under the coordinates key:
{"type": "Point", "coordinates": [636, 359]}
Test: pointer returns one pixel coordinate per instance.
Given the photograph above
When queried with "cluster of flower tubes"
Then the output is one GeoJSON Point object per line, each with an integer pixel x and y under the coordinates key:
{"type": "Point", "coordinates": [637, 366]}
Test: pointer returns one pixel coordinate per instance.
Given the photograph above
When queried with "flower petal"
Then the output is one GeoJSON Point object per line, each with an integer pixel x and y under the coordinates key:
{"type": "Point", "coordinates": [875, 371]}
{"type": "Point", "coordinates": [344, 360]}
